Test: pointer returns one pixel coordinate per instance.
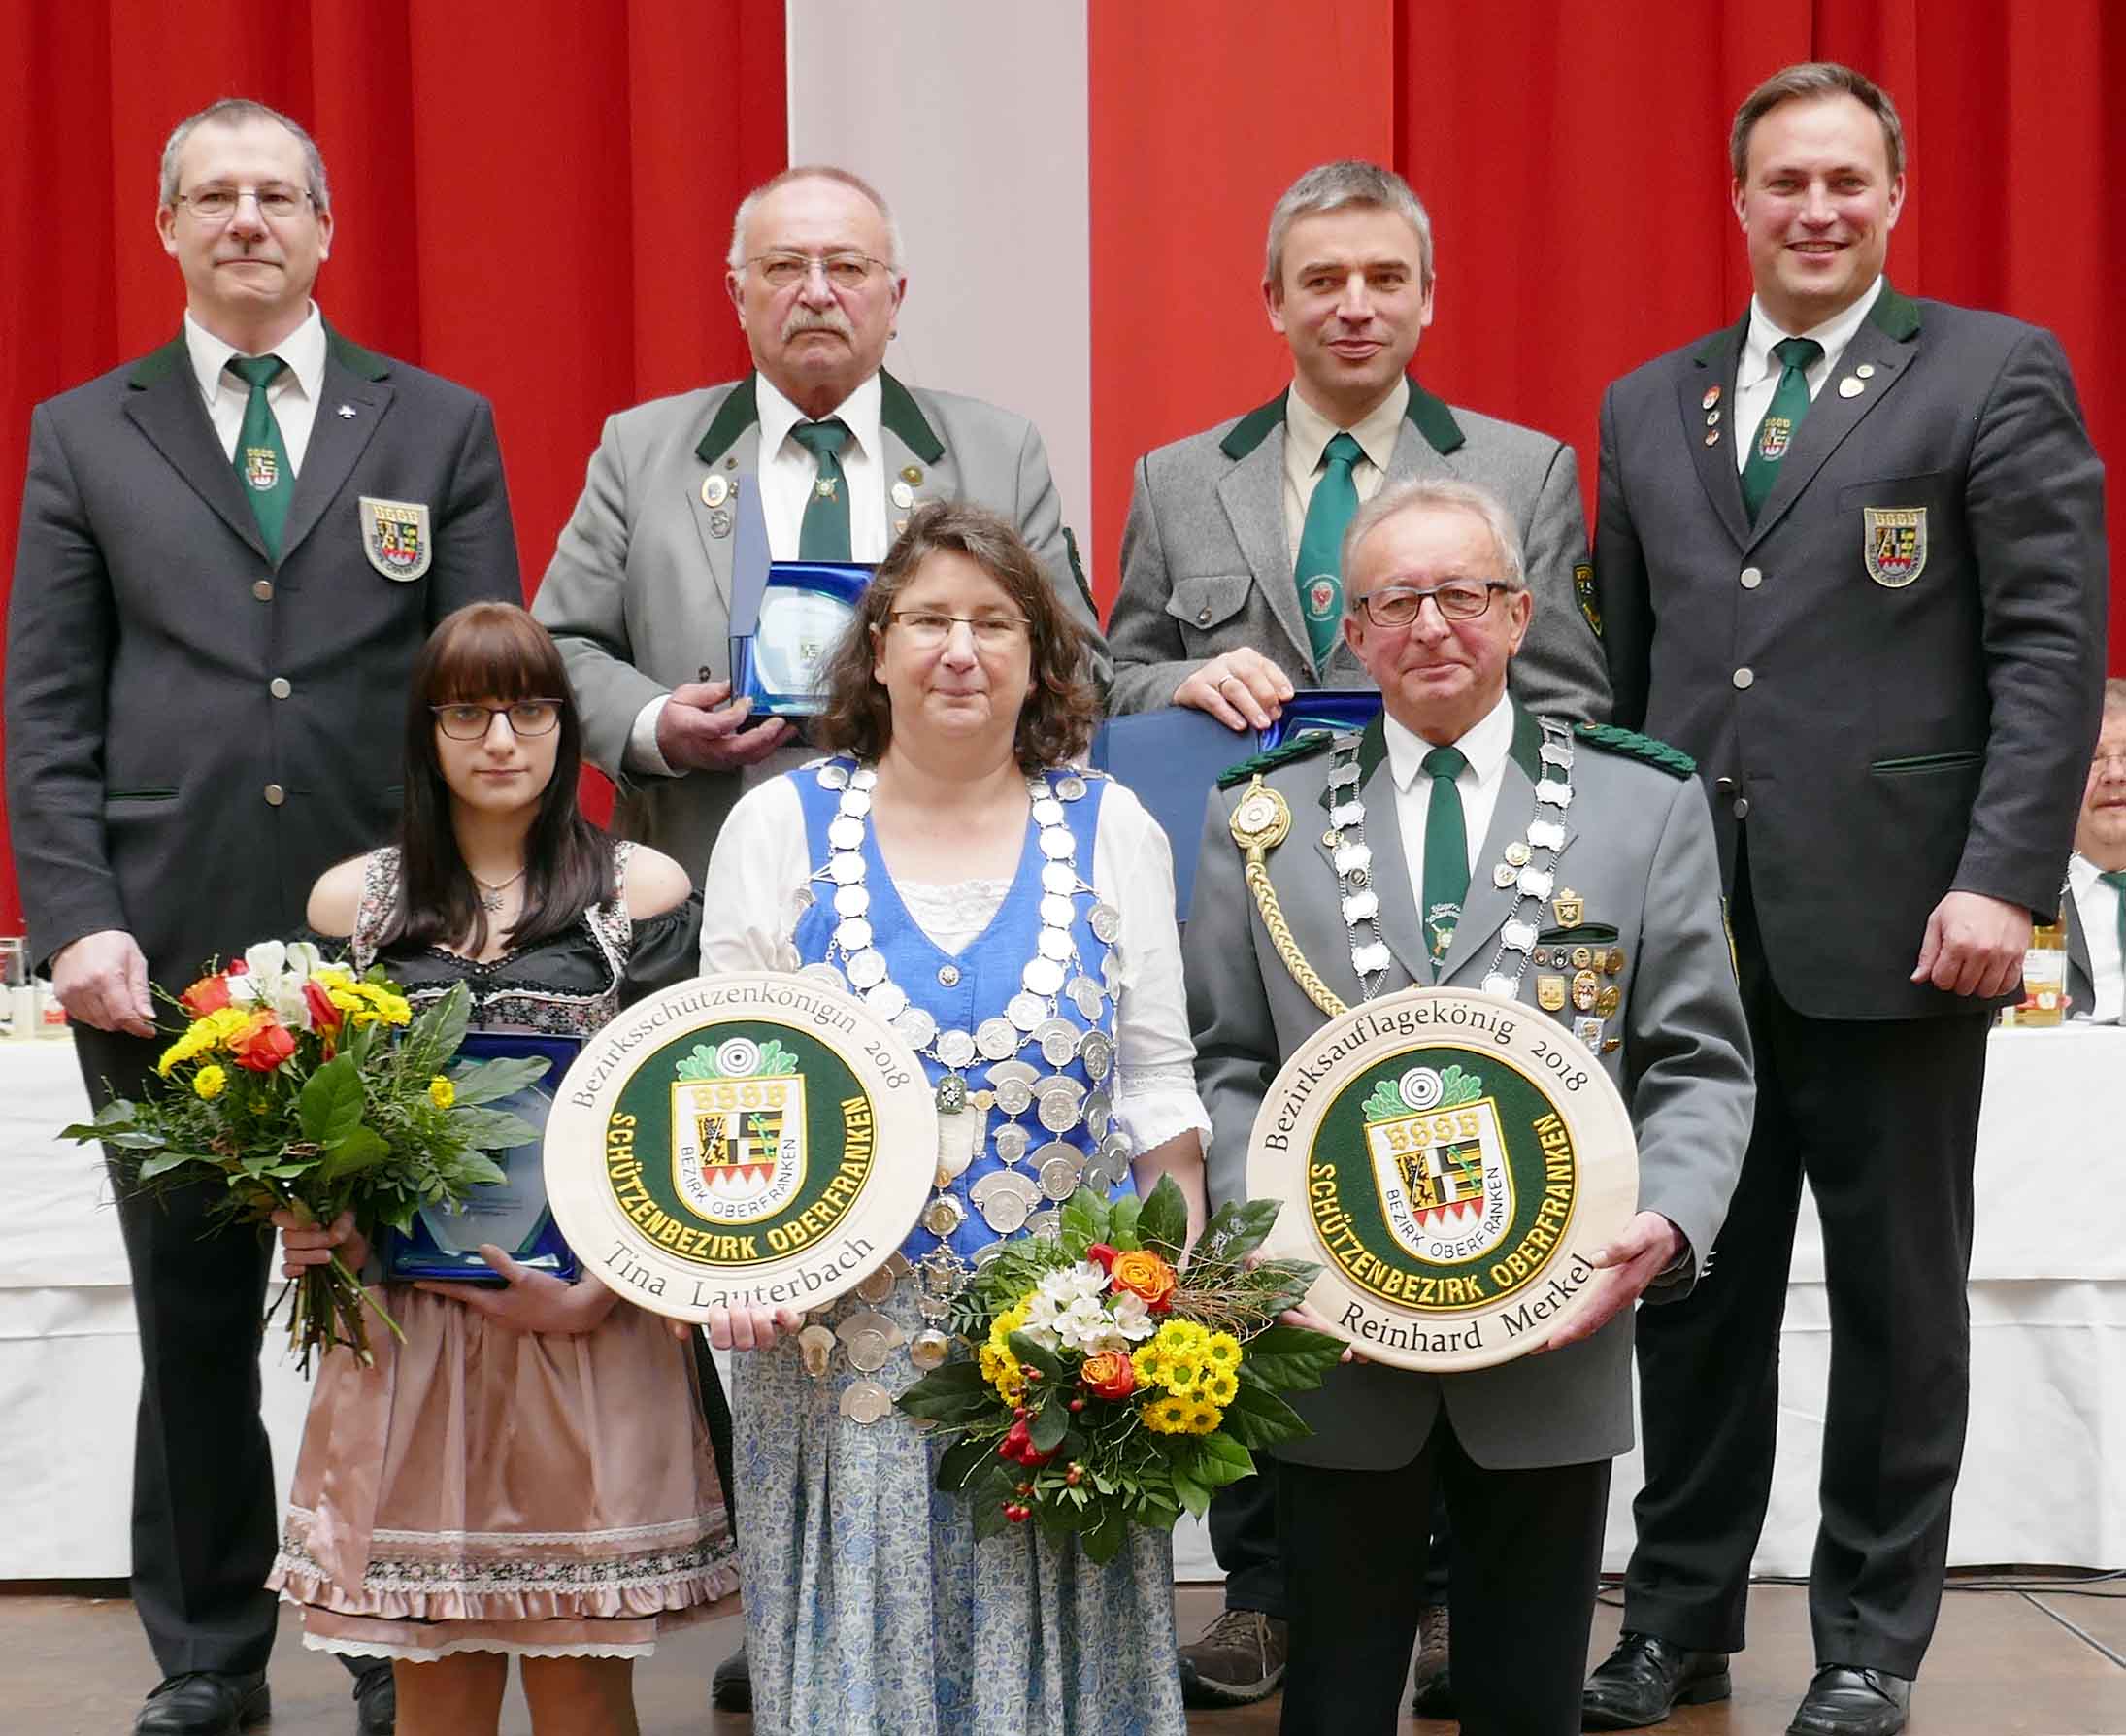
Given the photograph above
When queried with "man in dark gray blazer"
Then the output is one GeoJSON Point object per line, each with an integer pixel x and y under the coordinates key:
{"type": "Point", "coordinates": [231, 550]}
{"type": "Point", "coordinates": [638, 589]}
{"type": "Point", "coordinates": [1215, 610]}
{"type": "Point", "coordinates": [1522, 1450]}
{"type": "Point", "coordinates": [2094, 899]}
{"type": "Point", "coordinates": [1850, 555]}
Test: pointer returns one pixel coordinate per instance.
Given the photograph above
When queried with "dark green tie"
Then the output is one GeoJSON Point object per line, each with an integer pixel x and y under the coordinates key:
{"type": "Point", "coordinates": [1781, 419]}
{"type": "Point", "coordinates": [1320, 573]}
{"type": "Point", "coordinates": [1446, 850]}
{"type": "Point", "coordinates": [825, 535]}
{"type": "Point", "coordinates": [261, 456]}
{"type": "Point", "coordinates": [2116, 879]}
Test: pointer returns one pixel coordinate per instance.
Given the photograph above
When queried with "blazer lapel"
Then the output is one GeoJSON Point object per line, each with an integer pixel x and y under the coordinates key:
{"type": "Point", "coordinates": [1712, 369]}
{"type": "Point", "coordinates": [164, 404]}
{"type": "Point", "coordinates": [1252, 493]}
{"type": "Point", "coordinates": [909, 442]}
{"type": "Point", "coordinates": [336, 442]}
{"type": "Point", "coordinates": [1487, 905]}
{"type": "Point", "coordinates": [1391, 883]}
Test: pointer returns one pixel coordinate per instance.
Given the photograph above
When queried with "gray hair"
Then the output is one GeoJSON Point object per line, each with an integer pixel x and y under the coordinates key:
{"type": "Point", "coordinates": [2115, 693]}
{"type": "Point", "coordinates": [1808, 80]}
{"type": "Point", "coordinates": [1332, 186]}
{"type": "Point", "coordinates": [236, 111]}
{"type": "Point", "coordinates": [1437, 494]}
{"type": "Point", "coordinates": [736, 259]}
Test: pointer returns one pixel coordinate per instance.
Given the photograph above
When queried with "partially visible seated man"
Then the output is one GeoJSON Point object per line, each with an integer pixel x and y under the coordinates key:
{"type": "Point", "coordinates": [2096, 877]}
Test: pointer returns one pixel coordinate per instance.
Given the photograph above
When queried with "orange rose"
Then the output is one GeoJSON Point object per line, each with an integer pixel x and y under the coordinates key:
{"type": "Point", "coordinates": [1145, 1273]}
{"type": "Point", "coordinates": [262, 1045]}
{"type": "Point", "coordinates": [1108, 1374]}
{"type": "Point", "coordinates": [207, 995]}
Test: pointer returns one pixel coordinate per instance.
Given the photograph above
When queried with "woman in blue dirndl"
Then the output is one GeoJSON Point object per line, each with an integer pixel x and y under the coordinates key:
{"type": "Point", "coordinates": [1014, 918]}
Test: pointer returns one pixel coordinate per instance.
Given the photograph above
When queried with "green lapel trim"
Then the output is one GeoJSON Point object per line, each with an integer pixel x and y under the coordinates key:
{"type": "Point", "coordinates": [1434, 419]}
{"type": "Point", "coordinates": [1724, 344]}
{"type": "Point", "coordinates": [1254, 429]}
{"type": "Point", "coordinates": [366, 365]}
{"type": "Point", "coordinates": [899, 413]}
{"type": "Point", "coordinates": [1895, 315]}
{"type": "Point", "coordinates": [1372, 747]}
{"type": "Point", "coordinates": [1633, 746]}
{"type": "Point", "coordinates": [738, 411]}
{"type": "Point", "coordinates": [157, 365]}
{"type": "Point", "coordinates": [1527, 749]}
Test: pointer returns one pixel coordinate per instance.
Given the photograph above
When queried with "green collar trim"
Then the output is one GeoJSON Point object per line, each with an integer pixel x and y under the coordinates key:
{"type": "Point", "coordinates": [898, 413]}
{"type": "Point", "coordinates": [1527, 749]}
{"type": "Point", "coordinates": [366, 365]}
{"type": "Point", "coordinates": [158, 365]}
{"type": "Point", "coordinates": [1303, 746]}
{"type": "Point", "coordinates": [1633, 746]}
{"type": "Point", "coordinates": [1431, 416]}
{"type": "Point", "coordinates": [1895, 315]}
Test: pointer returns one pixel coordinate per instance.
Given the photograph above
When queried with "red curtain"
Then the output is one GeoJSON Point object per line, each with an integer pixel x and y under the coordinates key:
{"type": "Point", "coordinates": [531, 196]}
{"type": "Point", "coordinates": [1573, 158]}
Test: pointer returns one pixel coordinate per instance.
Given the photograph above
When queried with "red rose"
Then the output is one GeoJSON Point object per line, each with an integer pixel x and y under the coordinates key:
{"type": "Point", "coordinates": [1108, 1374]}
{"type": "Point", "coordinates": [325, 1016]}
{"type": "Point", "coordinates": [262, 1045]}
{"type": "Point", "coordinates": [207, 995]}
{"type": "Point", "coordinates": [1101, 1255]}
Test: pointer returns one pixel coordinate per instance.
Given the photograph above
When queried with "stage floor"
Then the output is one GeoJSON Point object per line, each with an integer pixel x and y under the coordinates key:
{"type": "Point", "coordinates": [2005, 1663]}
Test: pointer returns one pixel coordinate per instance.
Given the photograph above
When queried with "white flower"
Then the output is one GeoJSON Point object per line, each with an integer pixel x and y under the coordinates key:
{"type": "Point", "coordinates": [1132, 1319]}
{"type": "Point", "coordinates": [274, 977]}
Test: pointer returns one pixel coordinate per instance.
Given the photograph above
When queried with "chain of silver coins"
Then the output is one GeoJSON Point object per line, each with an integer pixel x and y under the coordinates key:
{"type": "Point", "coordinates": [1528, 867]}
{"type": "Point", "coordinates": [1035, 1179]}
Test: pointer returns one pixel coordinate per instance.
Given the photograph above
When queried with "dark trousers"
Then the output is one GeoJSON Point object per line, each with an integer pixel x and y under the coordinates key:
{"type": "Point", "coordinates": [1243, 1521]}
{"type": "Point", "coordinates": [1528, 1546]}
{"type": "Point", "coordinates": [204, 1524]}
{"type": "Point", "coordinates": [1881, 1118]}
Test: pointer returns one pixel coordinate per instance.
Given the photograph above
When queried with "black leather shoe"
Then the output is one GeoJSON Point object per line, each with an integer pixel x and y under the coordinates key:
{"type": "Point", "coordinates": [204, 1703]}
{"type": "Point", "coordinates": [731, 1687]}
{"type": "Point", "coordinates": [1645, 1678]}
{"type": "Point", "coordinates": [1847, 1702]}
{"type": "Point", "coordinates": [376, 1702]}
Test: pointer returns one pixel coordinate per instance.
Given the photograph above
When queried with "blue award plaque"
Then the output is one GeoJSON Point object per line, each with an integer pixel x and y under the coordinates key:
{"type": "Point", "coordinates": [512, 1214]}
{"type": "Point", "coordinates": [1334, 708]}
{"type": "Point", "coordinates": [805, 607]}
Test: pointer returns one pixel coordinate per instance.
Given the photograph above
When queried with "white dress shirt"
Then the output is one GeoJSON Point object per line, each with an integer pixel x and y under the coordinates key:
{"type": "Point", "coordinates": [787, 471]}
{"type": "Point", "coordinates": [1486, 748]}
{"type": "Point", "coordinates": [2097, 905]}
{"type": "Point", "coordinates": [293, 394]}
{"type": "Point", "coordinates": [760, 863]}
{"type": "Point", "coordinates": [1757, 374]}
{"type": "Point", "coordinates": [1308, 432]}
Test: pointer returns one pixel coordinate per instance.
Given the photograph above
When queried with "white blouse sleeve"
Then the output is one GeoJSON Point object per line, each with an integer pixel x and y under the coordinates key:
{"type": "Point", "coordinates": [748, 892]}
{"type": "Point", "coordinates": [1155, 1096]}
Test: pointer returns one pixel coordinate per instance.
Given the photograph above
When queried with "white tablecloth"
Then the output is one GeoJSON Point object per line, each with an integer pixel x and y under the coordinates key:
{"type": "Point", "coordinates": [2047, 1296]}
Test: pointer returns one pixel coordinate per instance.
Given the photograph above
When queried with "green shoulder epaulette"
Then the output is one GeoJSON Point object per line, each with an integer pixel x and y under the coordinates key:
{"type": "Point", "coordinates": [1672, 760]}
{"type": "Point", "coordinates": [1306, 742]}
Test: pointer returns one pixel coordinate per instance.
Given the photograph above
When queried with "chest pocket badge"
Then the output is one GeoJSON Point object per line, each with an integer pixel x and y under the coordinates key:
{"type": "Point", "coordinates": [1894, 544]}
{"type": "Point", "coordinates": [395, 536]}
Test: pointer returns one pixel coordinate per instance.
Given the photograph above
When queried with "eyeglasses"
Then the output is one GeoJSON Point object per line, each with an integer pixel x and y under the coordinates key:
{"type": "Point", "coordinates": [1398, 605]}
{"type": "Point", "coordinates": [927, 630]}
{"type": "Point", "coordinates": [471, 723]}
{"type": "Point", "coordinates": [844, 271]}
{"type": "Point", "coordinates": [218, 204]}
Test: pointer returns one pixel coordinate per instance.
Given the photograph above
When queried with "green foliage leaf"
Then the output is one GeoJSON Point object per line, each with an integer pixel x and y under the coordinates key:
{"type": "Point", "coordinates": [480, 1171]}
{"type": "Point", "coordinates": [1237, 1229]}
{"type": "Point", "coordinates": [436, 1033]}
{"type": "Point", "coordinates": [965, 1460]}
{"type": "Point", "coordinates": [1289, 1358]}
{"type": "Point", "coordinates": [1031, 1353]}
{"type": "Point", "coordinates": [167, 1161]}
{"type": "Point", "coordinates": [492, 1129]}
{"type": "Point", "coordinates": [1085, 1222]}
{"type": "Point", "coordinates": [1193, 1495]}
{"type": "Point", "coordinates": [1162, 1222]}
{"type": "Point", "coordinates": [1050, 1424]}
{"type": "Point", "coordinates": [484, 1081]}
{"type": "Point", "coordinates": [1221, 1459]}
{"type": "Point", "coordinates": [362, 1148]}
{"type": "Point", "coordinates": [955, 1395]}
{"type": "Point", "coordinates": [1122, 1220]}
{"type": "Point", "coordinates": [330, 1104]}
{"type": "Point", "coordinates": [1259, 1417]}
{"type": "Point", "coordinates": [1104, 1532]}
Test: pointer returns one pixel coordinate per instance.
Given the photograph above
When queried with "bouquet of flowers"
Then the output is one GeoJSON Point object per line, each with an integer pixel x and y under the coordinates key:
{"type": "Point", "coordinates": [1112, 1385]}
{"type": "Point", "coordinates": [300, 1086]}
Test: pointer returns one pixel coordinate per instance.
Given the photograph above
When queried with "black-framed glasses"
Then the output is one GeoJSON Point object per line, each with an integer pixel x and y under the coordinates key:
{"type": "Point", "coordinates": [844, 271]}
{"type": "Point", "coordinates": [216, 204]}
{"type": "Point", "coordinates": [928, 628]}
{"type": "Point", "coordinates": [1459, 599]}
{"type": "Point", "coordinates": [471, 723]}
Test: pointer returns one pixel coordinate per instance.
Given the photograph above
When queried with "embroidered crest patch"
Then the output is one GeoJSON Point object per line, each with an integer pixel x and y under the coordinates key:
{"type": "Point", "coordinates": [1894, 544]}
{"type": "Point", "coordinates": [395, 537]}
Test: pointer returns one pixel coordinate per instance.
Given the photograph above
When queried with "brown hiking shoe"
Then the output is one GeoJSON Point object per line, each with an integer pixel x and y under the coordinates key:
{"type": "Point", "coordinates": [1434, 1692]}
{"type": "Point", "coordinates": [1239, 1658]}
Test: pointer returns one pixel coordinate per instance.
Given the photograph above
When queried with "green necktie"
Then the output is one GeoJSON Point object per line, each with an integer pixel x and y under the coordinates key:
{"type": "Point", "coordinates": [1320, 573]}
{"type": "Point", "coordinates": [1446, 852]}
{"type": "Point", "coordinates": [2116, 879]}
{"type": "Point", "coordinates": [261, 456]}
{"type": "Point", "coordinates": [1781, 419]}
{"type": "Point", "coordinates": [825, 535]}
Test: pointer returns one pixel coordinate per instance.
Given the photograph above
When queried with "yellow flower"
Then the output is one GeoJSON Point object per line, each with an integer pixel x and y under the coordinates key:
{"type": "Point", "coordinates": [210, 1082]}
{"type": "Point", "coordinates": [1179, 1377]}
{"type": "Point", "coordinates": [1168, 1416]}
{"type": "Point", "coordinates": [1204, 1418]}
{"type": "Point", "coordinates": [201, 1035]}
{"type": "Point", "coordinates": [1010, 1385]}
{"type": "Point", "coordinates": [1218, 1387]}
{"type": "Point", "coordinates": [1222, 1351]}
{"type": "Point", "coordinates": [1182, 1338]}
{"type": "Point", "coordinates": [442, 1092]}
{"type": "Point", "coordinates": [1150, 1365]}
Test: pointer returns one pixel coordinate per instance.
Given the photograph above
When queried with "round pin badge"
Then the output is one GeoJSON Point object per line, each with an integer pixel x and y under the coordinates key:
{"type": "Point", "coordinates": [729, 1141]}
{"type": "Point", "coordinates": [1451, 1160]}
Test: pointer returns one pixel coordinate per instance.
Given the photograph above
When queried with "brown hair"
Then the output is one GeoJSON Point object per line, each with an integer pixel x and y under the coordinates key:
{"type": "Point", "coordinates": [1809, 80]}
{"type": "Point", "coordinates": [1056, 722]}
{"type": "Point", "coordinates": [492, 650]}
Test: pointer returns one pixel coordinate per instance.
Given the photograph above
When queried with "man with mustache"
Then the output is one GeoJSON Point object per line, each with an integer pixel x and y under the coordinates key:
{"type": "Point", "coordinates": [1850, 555]}
{"type": "Point", "coordinates": [231, 550]}
{"type": "Point", "coordinates": [842, 452]}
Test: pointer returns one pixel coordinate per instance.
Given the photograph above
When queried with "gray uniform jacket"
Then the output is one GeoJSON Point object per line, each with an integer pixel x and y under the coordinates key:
{"type": "Point", "coordinates": [1638, 849]}
{"type": "Point", "coordinates": [1895, 674]}
{"type": "Point", "coordinates": [196, 732]}
{"type": "Point", "coordinates": [2081, 982]}
{"type": "Point", "coordinates": [639, 591]}
{"type": "Point", "coordinates": [1207, 563]}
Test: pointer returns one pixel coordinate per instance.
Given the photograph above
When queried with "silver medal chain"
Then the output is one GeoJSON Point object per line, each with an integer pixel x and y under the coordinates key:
{"type": "Point", "coordinates": [1370, 958]}
{"type": "Point", "coordinates": [1530, 863]}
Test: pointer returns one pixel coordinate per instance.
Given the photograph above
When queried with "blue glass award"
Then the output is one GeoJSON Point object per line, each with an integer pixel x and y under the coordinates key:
{"type": "Point", "coordinates": [805, 607]}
